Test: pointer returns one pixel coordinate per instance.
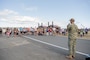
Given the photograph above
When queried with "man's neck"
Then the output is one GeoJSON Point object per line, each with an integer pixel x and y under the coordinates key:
{"type": "Point", "coordinates": [72, 23]}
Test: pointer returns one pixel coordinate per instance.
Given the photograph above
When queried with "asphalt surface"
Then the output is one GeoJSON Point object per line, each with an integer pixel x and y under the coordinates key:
{"type": "Point", "coordinates": [83, 45]}
{"type": "Point", "coordinates": [20, 48]}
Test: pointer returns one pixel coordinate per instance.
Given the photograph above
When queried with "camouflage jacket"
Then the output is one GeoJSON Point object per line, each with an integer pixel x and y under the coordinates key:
{"type": "Point", "coordinates": [72, 31]}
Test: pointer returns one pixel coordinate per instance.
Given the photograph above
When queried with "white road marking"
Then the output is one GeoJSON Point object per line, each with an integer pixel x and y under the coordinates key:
{"type": "Point", "coordinates": [56, 46]}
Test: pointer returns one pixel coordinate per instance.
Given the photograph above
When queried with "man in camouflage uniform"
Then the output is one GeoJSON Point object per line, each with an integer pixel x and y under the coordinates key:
{"type": "Point", "coordinates": [72, 36]}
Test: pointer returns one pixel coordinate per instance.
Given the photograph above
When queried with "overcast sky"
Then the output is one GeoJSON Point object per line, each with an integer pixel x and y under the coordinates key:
{"type": "Point", "coordinates": [30, 12]}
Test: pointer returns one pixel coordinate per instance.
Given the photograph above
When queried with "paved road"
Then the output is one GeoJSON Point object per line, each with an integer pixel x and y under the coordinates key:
{"type": "Point", "coordinates": [20, 48]}
{"type": "Point", "coordinates": [83, 45]}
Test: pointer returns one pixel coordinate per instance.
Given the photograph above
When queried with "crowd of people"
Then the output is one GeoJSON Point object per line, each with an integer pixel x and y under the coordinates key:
{"type": "Point", "coordinates": [82, 32]}
{"type": "Point", "coordinates": [41, 30]}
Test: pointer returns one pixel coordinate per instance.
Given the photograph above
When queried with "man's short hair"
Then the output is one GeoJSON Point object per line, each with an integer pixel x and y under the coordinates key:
{"type": "Point", "coordinates": [72, 19]}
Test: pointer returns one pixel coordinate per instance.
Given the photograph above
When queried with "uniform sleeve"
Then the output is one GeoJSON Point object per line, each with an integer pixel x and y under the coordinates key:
{"type": "Point", "coordinates": [68, 27]}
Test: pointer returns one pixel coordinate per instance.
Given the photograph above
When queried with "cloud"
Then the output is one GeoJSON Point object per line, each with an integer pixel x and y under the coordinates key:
{"type": "Point", "coordinates": [13, 17]}
{"type": "Point", "coordinates": [31, 9]}
{"type": "Point", "coordinates": [7, 12]}
{"type": "Point", "coordinates": [23, 18]}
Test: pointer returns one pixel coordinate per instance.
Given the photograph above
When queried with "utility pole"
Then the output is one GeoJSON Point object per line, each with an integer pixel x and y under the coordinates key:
{"type": "Point", "coordinates": [48, 24]}
{"type": "Point", "coordinates": [52, 24]}
{"type": "Point", "coordinates": [41, 24]}
{"type": "Point", "coordinates": [38, 24]}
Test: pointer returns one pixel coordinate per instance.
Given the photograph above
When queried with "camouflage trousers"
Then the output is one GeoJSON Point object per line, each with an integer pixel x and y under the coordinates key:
{"type": "Point", "coordinates": [72, 46]}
